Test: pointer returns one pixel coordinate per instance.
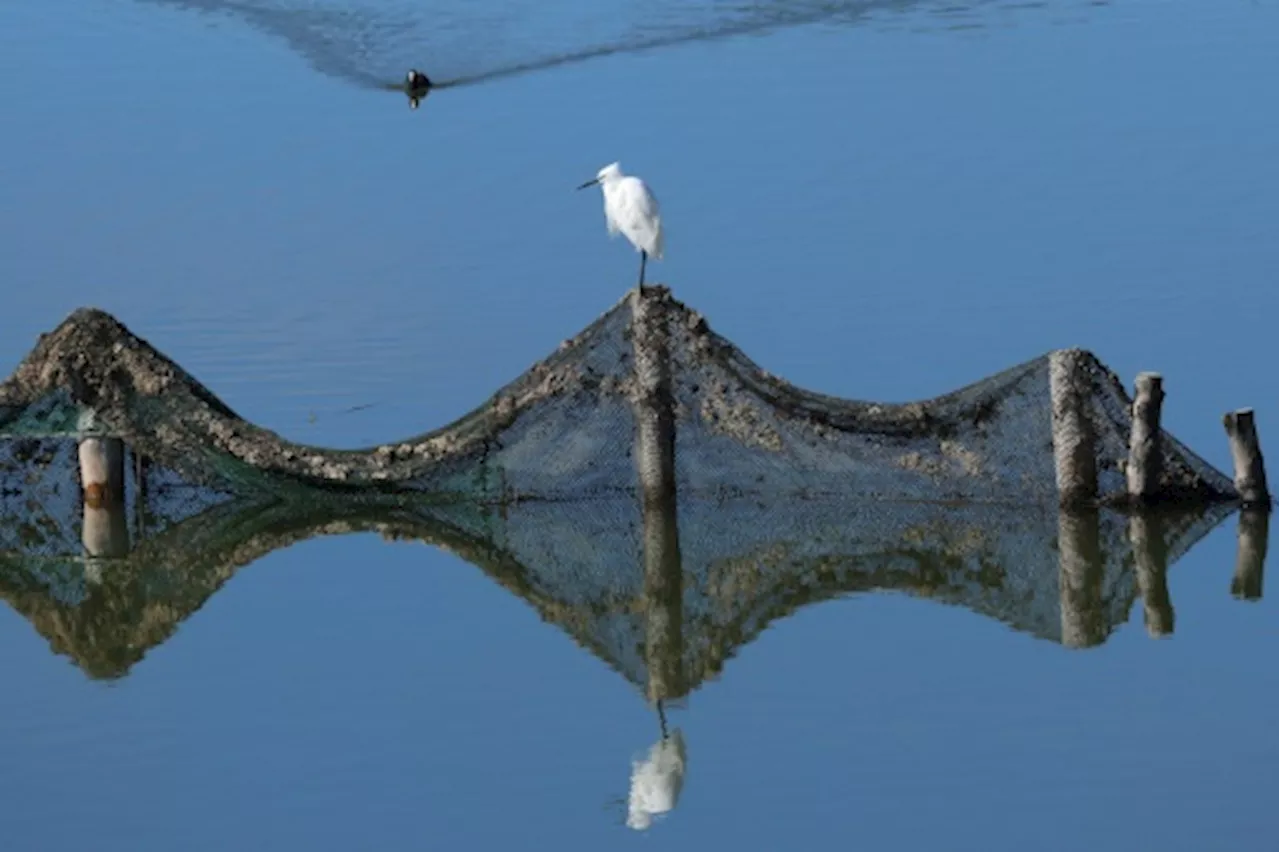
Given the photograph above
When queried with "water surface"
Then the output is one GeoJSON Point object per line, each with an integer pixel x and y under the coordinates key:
{"type": "Point", "coordinates": [884, 204]}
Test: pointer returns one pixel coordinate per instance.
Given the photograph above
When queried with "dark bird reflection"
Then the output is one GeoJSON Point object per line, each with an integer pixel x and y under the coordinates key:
{"type": "Point", "coordinates": [373, 44]}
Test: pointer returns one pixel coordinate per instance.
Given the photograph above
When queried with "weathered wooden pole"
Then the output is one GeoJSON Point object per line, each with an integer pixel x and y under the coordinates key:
{"type": "Point", "coordinates": [655, 450]}
{"type": "Point", "coordinates": [140, 469]}
{"type": "Point", "coordinates": [1080, 578]}
{"type": "Point", "coordinates": [1252, 532]}
{"type": "Point", "coordinates": [1246, 456]}
{"type": "Point", "coordinates": [1143, 470]}
{"type": "Point", "coordinates": [663, 604]}
{"type": "Point", "coordinates": [105, 531]}
{"type": "Point", "coordinates": [1074, 457]}
{"type": "Point", "coordinates": [1151, 565]}
{"type": "Point", "coordinates": [101, 470]}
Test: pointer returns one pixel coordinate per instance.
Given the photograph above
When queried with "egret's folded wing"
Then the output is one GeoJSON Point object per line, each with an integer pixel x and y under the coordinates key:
{"type": "Point", "coordinates": [639, 215]}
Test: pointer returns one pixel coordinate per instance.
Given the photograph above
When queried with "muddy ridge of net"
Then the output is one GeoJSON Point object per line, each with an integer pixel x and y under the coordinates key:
{"type": "Point", "coordinates": [565, 427]}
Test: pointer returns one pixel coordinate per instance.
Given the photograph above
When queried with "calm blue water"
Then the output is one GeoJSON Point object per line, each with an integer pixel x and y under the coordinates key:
{"type": "Point", "coordinates": [886, 207]}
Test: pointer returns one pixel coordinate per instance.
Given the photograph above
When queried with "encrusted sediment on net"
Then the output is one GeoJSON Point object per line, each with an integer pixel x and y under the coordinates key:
{"type": "Point", "coordinates": [140, 395]}
{"type": "Point", "coordinates": [109, 370]}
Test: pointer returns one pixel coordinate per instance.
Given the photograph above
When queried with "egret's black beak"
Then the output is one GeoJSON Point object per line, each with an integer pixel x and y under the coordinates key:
{"type": "Point", "coordinates": [591, 182]}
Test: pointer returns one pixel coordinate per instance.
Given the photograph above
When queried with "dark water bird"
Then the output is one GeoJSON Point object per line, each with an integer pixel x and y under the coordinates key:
{"type": "Point", "coordinates": [416, 85]}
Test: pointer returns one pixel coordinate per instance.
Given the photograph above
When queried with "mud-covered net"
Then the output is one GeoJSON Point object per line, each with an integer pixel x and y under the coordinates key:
{"type": "Point", "coordinates": [459, 42]}
{"type": "Point", "coordinates": [565, 429]}
{"type": "Point", "coordinates": [776, 498]}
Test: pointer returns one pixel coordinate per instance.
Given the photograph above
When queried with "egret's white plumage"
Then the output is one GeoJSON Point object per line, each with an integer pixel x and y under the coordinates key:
{"type": "Point", "coordinates": [630, 209]}
{"type": "Point", "coordinates": [656, 782]}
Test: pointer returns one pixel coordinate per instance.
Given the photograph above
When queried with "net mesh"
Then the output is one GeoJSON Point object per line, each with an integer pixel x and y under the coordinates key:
{"type": "Point", "coordinates": [779, 497]}
{"type": "Point", "coordinates": [564, 429]}
{"type": "Point", "coordinates": [743, 565]}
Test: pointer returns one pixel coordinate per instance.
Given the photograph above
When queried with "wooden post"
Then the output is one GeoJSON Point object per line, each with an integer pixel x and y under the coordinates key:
{"type": "Point", "coordinates": [652, 404]}
{"type": "Point", "coordinates": [105, 533]}
{"type": "Point", "coordinates": [101, 470]}
{"type": "Point", "coordinates": [1151, 565]}
{"type": "Point", "coordinates": [1143, 471]}
{"type": "Point", "coordinates": [655, 445]}
{"type": "Point", "coordinates": [1080, 578]}
{"type": "Point", "coordinates": [1246, 456]}
{"type": "Point", "coordinates": [1253, 529]}
{"type": "Point", "coordinates": [1075, 465]}
{"type": "Point", "coordinates": [663, 604]}
{"type": "Point", "coordinates": [140, 469]}
{"type": "Point", "coordinates": [105, 530]}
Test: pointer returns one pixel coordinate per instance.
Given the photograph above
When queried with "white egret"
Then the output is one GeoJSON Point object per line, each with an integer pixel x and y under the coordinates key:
{"type": "Point", "coordinates": [656, 782]}
{"type": "Point", "coordinates": [630, 208]}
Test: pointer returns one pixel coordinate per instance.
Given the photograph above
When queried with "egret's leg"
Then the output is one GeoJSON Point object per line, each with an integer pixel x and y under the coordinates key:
{"type": "Point", "coordinates": [643, 257]}
{"type": "Point", "coordinates": [662, 720]}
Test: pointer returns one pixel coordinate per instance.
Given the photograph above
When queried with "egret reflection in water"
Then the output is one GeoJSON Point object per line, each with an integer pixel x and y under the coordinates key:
{"type": "Point", "coordinates": [375, 44]}
{"type": "Point", "coordinates": [656, 781]}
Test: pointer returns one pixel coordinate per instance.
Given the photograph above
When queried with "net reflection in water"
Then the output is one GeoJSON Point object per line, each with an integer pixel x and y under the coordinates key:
{"type": "Point", "coordinates": [647, 488]}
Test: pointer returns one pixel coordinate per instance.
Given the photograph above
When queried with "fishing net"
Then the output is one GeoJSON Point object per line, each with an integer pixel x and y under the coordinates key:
{"type": "Point", "coordinates": [740, 565]}
{"type": "Point", "coordinates": [774, 497]}
{"type": "Point", "coordinates": [564, 429]}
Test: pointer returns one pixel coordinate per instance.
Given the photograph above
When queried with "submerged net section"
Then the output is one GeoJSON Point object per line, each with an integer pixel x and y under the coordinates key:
{"type": "Point", "coordinates": [372, 43]}
{"type": "Point", "coordinates": [41, 500]}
